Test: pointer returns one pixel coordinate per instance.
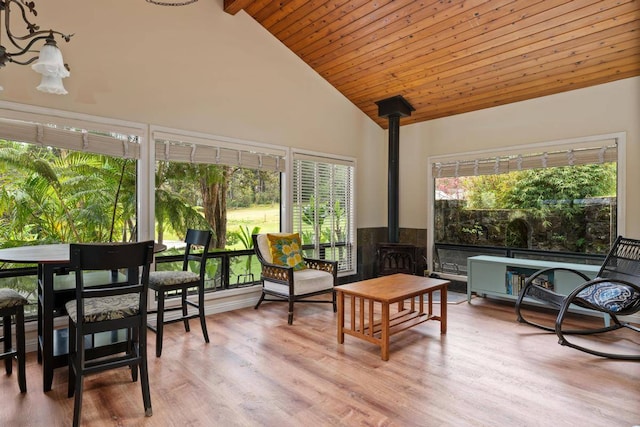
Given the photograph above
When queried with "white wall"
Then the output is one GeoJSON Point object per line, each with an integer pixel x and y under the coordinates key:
{"type": "Point", "coordinates": [603, 109]}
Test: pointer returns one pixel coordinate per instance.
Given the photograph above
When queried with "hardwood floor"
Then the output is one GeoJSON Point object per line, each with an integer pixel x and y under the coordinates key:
{"type": "Point", "coordinates": [488, 370]}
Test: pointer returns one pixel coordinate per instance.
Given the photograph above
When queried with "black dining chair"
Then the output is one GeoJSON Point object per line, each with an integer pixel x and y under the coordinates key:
{"type": "Point", "coordinates": [168, 283]}
{"type": "Point", "coordinates": [12, 305]}
{"type": "Point", "coordinates": [120, 304]}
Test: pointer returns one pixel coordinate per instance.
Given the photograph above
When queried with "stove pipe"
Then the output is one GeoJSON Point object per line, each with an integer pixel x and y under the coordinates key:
{"type": "Point", "coordinates": [393, 108]}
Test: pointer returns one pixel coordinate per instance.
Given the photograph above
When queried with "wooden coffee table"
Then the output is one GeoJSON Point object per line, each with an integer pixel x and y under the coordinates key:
{"type": "Point", "coordinates": [371, 319]}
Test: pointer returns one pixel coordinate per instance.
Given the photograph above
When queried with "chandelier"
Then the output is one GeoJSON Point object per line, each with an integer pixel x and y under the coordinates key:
{"type": "Point", "coordinates": [48, 61]}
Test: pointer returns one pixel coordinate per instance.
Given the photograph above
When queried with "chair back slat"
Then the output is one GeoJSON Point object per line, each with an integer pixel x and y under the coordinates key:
{"type": "Point", "coordinates": [623, 261]}
{"type": "Point", "coordinates": [124, 260]}
{"type": "Point", "coordinates": [196, 239]}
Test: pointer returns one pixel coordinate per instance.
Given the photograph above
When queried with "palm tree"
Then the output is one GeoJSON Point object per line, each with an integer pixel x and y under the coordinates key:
{"type": "Point", "coordinates": [56, 195]}
{"type": "Point", "coordinates": [176, 204]}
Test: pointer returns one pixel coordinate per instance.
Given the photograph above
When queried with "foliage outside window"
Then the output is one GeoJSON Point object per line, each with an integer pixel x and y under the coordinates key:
{"type": "Point", "coordinates": [560, 201]}
{"type": "Point", "coordinates": [60, 185]}
{"type": "Point", "coordinates": [233, 190]}
{"type": "Point", "coordinates": [323, 208]}
{"type": "Point", "coordinates": [52, 195]}
{"type": "Point", "coordinates": [207, 196]}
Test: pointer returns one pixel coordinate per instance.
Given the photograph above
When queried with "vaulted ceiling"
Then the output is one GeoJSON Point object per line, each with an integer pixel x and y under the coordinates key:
{"type": "Point", "coordinates": [453, 56]}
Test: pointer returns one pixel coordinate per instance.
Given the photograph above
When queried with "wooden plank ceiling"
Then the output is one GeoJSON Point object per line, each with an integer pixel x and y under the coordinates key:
{"type": "Point", "coordinates": [454, 56]}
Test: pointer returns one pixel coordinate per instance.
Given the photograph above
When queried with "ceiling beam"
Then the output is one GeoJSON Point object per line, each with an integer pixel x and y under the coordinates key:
{"type": "Point", "coordinates": [234, 6]}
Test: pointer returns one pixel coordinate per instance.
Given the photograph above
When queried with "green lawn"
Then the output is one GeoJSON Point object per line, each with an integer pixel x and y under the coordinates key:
{"type": "Point", "coordinates": [265, 217]}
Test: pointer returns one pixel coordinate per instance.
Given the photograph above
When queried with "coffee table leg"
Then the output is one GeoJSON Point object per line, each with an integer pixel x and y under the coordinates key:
{"type": "Point", "coordinates": [340, 317]}
{"type": "Point", "coordinates": [384, 339]}
{"type": "Point", "coordinates": [443, 310]}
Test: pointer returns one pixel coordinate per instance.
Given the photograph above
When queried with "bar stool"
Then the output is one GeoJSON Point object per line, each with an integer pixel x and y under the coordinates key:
{"type": "Point", "coordinates": [12, 304]}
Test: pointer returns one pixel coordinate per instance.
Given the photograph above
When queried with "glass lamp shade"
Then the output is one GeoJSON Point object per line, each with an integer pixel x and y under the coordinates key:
{"type": "Point", "coordinates": [52, 84]}
{"type": "Point", "coordinates": [50, 62]}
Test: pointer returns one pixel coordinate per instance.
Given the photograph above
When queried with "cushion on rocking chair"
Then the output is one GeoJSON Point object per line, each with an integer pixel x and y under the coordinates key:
{"type": "Point", "coordinates": [611, 297]}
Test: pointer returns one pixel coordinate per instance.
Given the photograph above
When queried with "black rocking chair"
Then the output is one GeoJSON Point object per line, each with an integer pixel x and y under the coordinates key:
{"type": "Point", "coordinates": [615, 291]}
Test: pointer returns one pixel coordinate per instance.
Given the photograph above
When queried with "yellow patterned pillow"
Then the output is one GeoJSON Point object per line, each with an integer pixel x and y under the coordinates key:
{"type": "Point", "coordinates": [286, 250]}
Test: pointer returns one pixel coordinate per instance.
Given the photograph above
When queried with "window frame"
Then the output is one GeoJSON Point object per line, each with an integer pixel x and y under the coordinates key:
{"type": "Point", "coordinates": [618, 137]}
{"type": "Point", "coordinates": [9, 110]}
{"type": "Point", "coordinates": [210, 141]}
{"type": "Point", "coordinates": [46, 116]}
{"type": "Point", "coordinates": [335, 159]}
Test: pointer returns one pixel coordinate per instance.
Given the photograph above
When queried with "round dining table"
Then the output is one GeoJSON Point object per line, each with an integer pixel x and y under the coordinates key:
{"type": "Point", "coordinates": [53, 261]}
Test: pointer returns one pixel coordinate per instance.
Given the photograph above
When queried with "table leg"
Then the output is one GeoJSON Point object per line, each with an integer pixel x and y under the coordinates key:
{"type": "Point", "coordinates": [443, 310]}
{"type": "Point", "coordinates": [45, 324]}
{"type": "Point", "coordinates": [384, 339]}
{"type": "Point", "coordinates": [39, 286]}
{"type": "Point", "coordinates": [340, 301]}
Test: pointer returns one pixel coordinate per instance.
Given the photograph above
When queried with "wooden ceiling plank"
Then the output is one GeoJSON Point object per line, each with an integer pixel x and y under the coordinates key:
{"type": "Point", "coordinates": [299, 9]}
{"type": "Point", "coordinates": [374, 26]}
{"type": "Point", "coordinates": [433, 40]}
{"type": "Point", "coordinates": [433, 22]}
{"type": "Point", "coordinates": [462, 83]}
{"type": "Point", "coordinates": [258, 5]}
{"type": "Point", "coordinates": [536, 93]}
{"type": "Point", "coordinates": [398, 63]}
{"type": "Point", "coordinates": [271, 11]}
{"type": "Point", "coordinates": [308, 14]}
{"type": "Point", "coordinates": [503, 85]}
{"type": "Point", "coordinates": [547, 78]}
{"type": "Point", "coordinates": [576, 82]}
{"type": "Point", "coordinates": [282, 13]}
{"type": "Point", "coordinates": [565, 84]}
{"type": "Point", "coordinates": [489, 50]}
{"type": "Point", "coordinates": [558, 63]}
{"type": "Point", "coordinates": [344, 24]}
{"type": "Point", "coordinates": [491, 64]}
{"type": "Point", "coordinates": [581, 58]}
{"type": "Point", "coordinates": [317, 26]}
{"type": "Point", "coordinates": [503, 89]}
{"type": "Point", "coordinates": [505, 82]}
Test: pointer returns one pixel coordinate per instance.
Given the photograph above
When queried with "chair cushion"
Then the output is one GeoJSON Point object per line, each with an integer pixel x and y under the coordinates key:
{"type": "Point", "coordinates": [286, 250]}
{"type": "Point", "coordinates": [168, 278]}
{"type": "Point", "coordinates": [11, 298]}
{"type": "Point", "coordinates": [105, 308]}
{"type": "Point", "coordinates": [609, 296]}
{"type": "Point", "coordinates": [305, 282]}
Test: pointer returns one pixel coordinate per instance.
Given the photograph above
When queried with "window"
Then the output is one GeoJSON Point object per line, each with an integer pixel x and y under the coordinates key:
{"type": "Point", "coordinates": [231, 187]}
{"type": "Point", "coordinates": [323, 208]}
{"type": "Point", "coordinates": [65, 181]}
{"type": "Point", "coordinates": [558, 200]}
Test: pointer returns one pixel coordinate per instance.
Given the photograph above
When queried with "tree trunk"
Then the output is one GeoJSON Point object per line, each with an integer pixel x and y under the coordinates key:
{"type": "Point", "coordinates": [214, 201]}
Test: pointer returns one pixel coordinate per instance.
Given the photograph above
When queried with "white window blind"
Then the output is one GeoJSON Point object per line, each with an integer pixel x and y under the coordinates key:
{"type": "Point", "coordinates": [110, 144]}
{"type": "Point", "coordinates": [323, 207]}
{"type": "Point", "coordinates": [189, 149]}
{"type": "Point", "coordinates": [596, 152]}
